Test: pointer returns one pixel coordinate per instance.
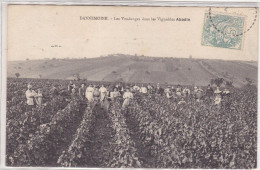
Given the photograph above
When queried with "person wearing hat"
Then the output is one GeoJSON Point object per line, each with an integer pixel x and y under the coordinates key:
{"type": "Point", "coordinates": [127, 98]}
{"type": "Point", "coordinates": [89, 93]}
{"type": "Point", "coordinates": [30, 94]}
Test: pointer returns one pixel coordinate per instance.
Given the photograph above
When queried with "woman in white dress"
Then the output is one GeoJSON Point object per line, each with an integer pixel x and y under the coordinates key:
{"type": "Point", "coordinates": [89, 93]}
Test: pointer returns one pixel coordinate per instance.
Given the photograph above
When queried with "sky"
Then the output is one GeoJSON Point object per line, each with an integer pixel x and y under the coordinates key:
{"type": "Point", "coordinates": [39, 31]}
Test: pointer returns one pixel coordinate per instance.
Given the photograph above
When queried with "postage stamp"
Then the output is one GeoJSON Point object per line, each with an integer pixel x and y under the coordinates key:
{"type": "Point", "coordinates": [224, 31]}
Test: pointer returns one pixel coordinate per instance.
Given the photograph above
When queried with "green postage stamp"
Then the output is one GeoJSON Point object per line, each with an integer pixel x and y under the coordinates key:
{"type": "Point", "coordinates": [224, 31]}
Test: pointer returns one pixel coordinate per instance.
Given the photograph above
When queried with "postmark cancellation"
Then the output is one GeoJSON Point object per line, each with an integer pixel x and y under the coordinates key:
{"type": "Point", "coordinates": [223, 30]}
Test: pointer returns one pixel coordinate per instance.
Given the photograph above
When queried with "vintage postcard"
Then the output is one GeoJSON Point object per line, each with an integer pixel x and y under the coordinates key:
{"type": "Point", "coordinates": [131, 87]}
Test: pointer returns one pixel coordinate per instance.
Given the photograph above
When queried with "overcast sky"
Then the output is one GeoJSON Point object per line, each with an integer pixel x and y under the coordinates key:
{"type": "Point", "coordinates": [38, 32]}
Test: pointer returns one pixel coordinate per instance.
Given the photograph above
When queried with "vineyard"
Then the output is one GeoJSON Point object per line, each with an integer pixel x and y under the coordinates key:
{"type": "Point", "coordinates": [152, 132]}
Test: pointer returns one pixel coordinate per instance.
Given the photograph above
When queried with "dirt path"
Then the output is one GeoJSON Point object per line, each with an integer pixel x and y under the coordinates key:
{"type": "Point", "coordinates": [143, 150]}
{"type": "Point", "coordinates": [98, 151]}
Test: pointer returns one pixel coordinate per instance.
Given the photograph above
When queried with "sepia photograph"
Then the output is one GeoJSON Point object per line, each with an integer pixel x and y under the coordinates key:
{"type": "Point", "coordinates": [131, 87]}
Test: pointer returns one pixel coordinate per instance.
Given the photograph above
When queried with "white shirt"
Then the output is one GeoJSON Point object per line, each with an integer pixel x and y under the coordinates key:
{"type": "Point", "coordinates": [29, 96]}
{"type": "Point", "coordinates": [114, 94]}
{"type": "Point", "coordinates": [136, 88]}
{"type": "Point", "coordinates": [89, 93]}
{"type": "Point", "coordinates": [149, 87]}
{"type": "Point", "coordinates": [102, 90]}
{"type": "Point", "coordinates": [90, 90]}
{"type": "Point", "coordinates": [143, 90]}
{"type": "Point", "coordinates": [167, 90]}
{"type": "Point", "coordinates": [198, 90]}
{"type": "Point", "coordinates": [128, 95]}
{"type": "Point", "coordinates": [168, 95]}
{"type": "Point", "coordinates": [186, 91]}
{"type": "Point", "coordinates": [226, 91]}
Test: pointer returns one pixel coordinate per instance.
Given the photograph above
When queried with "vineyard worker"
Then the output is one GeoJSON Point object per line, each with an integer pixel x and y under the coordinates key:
{"type": "Point", "coordinates": [103, 92]}
{"type": "Point", "coordinates": [226, 95]}
{"type": "Point", "coordinates": [127, 97]}
{"type": "Point", "coordinates": [182, 101]}
{"type": "Point", "coordinates": [218, 96]}
{"type": "Point", "coordinates": [198, 93]}
{"type": "Point", "coordinates": [54, 91]}
{"type": "Point", "coordinates": [82, 91]}
{"type": "Point", "coordinates": [114, 94]}
{"type": "Point", "coordinates": [159, 90]}
{"type": "Point", "coordinates": [39, 97]}
{"type": "Point", "coordinates": [143, 89]}
{"type": "Point", "coordinates": [209, 91]}
{"type": "Point", "coordinates": [178, 90]}
{"type": "Point", "coordinates": [30, 94]}
{"type": "Point", "coordinates": [136, 88]}
{"type": "Point", "coordinates": [226, 92]}
{"type": "Point", "coordinates": [120, 88]}
{"type": "Point", "coordinates": [186, 92]}
{"type": "Point", "coordinates": [168, 93]}
{"type": "Point", "coordinates": [149, 87]}
{"type": "Point", "coordinates": [70, 86]}
{"type": "Point", "coordinates": [96, 93]}
{"type": "Point", "coordinates": [89, 93]}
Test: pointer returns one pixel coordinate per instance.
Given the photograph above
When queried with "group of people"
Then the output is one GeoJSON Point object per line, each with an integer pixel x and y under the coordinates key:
{"type": "Point", "coordinates": [198, 94]}
{"type": "Point", "coordinates": [33, 98]}
{"type": "Point", "coordinates": [104, 94]}
{"type": "Point", "coordinates": [178, 94]}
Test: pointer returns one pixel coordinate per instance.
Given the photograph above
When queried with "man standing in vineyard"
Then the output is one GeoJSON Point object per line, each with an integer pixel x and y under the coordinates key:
{"type": "Point", "coordinates": [82, 91]}
{"type": "Point", "coordinates": [127, 97]}
{"type": "Point", "coordinates": [30, 94]}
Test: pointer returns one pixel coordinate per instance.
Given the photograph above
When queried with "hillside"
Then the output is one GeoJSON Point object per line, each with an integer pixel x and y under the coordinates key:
{"type": "Point", "coordinates": [137, 69]}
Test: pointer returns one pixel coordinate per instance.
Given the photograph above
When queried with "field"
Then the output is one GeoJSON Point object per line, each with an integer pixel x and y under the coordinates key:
{"type": "Point", "coordinates": [138, 69]}
{"type": "Point", "coordinates": [152, 132]}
